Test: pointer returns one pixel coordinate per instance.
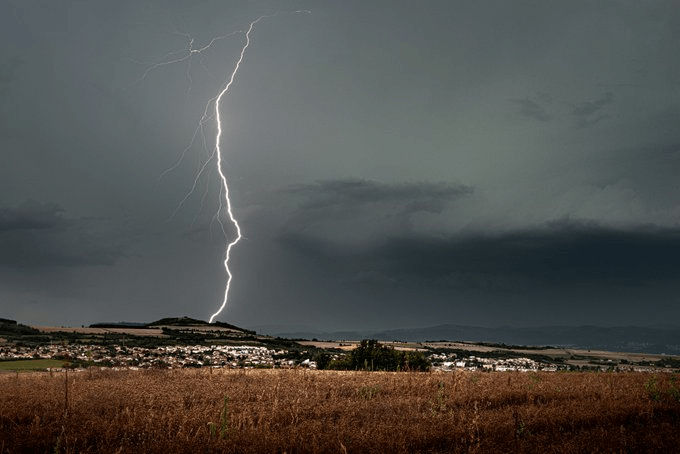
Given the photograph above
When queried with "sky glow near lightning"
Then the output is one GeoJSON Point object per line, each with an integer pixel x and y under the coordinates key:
{"type": "Point", "coordinates": [216, 154]}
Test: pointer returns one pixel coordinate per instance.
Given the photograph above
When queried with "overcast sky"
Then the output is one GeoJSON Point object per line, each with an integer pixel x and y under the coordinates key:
{"type": "Point", "coordinates": [391, 163]}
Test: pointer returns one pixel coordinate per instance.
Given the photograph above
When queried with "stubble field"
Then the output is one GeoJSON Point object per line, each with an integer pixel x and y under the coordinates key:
{"type": "Point", "coordinates": [300, 411]}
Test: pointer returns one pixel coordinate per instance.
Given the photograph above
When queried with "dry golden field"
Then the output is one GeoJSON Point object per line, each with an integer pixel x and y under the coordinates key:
{"type": "Point", "coordinates": [300, 411]}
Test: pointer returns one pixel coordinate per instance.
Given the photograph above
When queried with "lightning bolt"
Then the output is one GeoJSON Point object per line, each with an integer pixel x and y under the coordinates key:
{"type": "Point", "coordinates": [216, 155]}
{"type": "Point", "coordinates": [225, 187]}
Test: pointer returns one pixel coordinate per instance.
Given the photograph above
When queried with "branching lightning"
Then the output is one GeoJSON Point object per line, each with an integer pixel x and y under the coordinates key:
{"type": "Point", "coordinates": [210, 114]}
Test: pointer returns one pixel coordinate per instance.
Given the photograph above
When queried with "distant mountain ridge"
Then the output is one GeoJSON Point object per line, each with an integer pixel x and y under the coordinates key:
{"type": "Point", "coordinates": [623, 338]}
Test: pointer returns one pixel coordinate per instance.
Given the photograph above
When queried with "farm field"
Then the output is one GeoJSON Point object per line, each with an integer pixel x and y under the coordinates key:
{"type": "Point", "coordinates": [30, 365]}
{"type": "Point", "coordinates": [304, 411]}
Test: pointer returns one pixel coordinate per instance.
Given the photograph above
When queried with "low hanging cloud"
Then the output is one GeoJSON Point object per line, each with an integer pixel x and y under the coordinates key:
{"type": "Point", "coordinates": [531, 109]}
{"type": "Point", "coordinates": [356, 209]}
{"type": "Point", "coordinates": [588, 113]}
{"type": "Point", "coordinates": [584, 114]}
{"type": "Point", "coordinates": [36, 234]}
{"type": "Point", "coordinates": [358, 191]}
{"type": "Point", "coordinates": [30, 215]}
{"type": "Point", "coordinates": [561, 256]}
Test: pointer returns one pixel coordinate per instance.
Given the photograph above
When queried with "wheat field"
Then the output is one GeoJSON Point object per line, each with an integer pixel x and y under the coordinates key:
{"type": "Point", "coordinates": [304, 411]}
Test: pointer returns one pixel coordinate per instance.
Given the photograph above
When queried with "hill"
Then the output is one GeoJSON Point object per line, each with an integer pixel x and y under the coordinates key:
{"type": "Point", "coordinates": [188, 321]}
{"type": "Point", "coordinates": [10, 329]}
{"type": "Point", "coordinates": [178, 321]}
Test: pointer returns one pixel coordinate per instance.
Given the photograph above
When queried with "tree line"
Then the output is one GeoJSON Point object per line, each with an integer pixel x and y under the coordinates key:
{"type": "Point", "coordinates": [374, 356]}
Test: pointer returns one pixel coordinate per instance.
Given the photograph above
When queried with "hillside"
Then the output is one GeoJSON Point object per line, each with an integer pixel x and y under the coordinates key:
{"type": "Point", "coordinates": [178, 321]}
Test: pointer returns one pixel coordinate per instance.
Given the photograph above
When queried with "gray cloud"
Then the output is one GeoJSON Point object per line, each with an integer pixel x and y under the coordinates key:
{"type": "Point", "coordinates": [562, 256]}
{"type": "Point", "coordinates": [588, 113]}
{"type": "Point", "coordinates": [30, 215]}
{"type": "Point", "coordinates": [358, 209]}
{"type": "Point", "coordinates": [356, 192]}
{"type": "Point", "coordinates": [37, 234]}
{"type": "Point", "coordinates": [532, 109]}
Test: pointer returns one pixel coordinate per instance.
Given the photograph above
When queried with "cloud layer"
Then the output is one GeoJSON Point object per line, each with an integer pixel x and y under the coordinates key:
{"type": "Point", "coordinates": [390, 162]}
{"type": "Point", "coordinates": [36, 234]}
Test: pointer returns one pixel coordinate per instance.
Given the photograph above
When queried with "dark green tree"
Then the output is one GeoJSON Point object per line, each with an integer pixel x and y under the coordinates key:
{"type": "Point", "coordinates": [322, 360]}
{"type": "Point", "coordinates": [371, 355]}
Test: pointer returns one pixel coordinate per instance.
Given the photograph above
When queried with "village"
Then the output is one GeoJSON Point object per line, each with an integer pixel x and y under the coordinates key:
{"type": "Point", "coordinates": [448, 362]}
{"type": "Point", "coordinates": [79, 356]}
{"type": "Point", "coordinates": [180, 356]}
{"type": "Point", "coordinates": [171, 357]}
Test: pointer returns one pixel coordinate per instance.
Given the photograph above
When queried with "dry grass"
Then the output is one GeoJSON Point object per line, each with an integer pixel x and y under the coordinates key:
{"type": "Point", "coordinates": [297, 411]}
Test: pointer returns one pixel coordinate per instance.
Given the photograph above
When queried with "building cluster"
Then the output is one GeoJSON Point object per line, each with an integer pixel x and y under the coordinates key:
{"type": "Point", "coordinates": [447, 362]}
{"type": "Point", "coordinates": [165, 357]}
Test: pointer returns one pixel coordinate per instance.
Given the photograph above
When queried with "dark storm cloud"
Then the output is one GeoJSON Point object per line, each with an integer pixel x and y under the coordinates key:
{"type": "Point", "coordinates": [37, 234]}
{"type": "Point", "coordinates": [357, 192]}
{"type": "Point", "coordinates": [588, 113]}
{"type": "Point", "coordinates": [361, 209]}
{"type": "Point", "coordinates": [532, 109]}
{"type": "Point", "coordinates": [30, 215]}
{"type": "Point", "coordinates": [563, 256]}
